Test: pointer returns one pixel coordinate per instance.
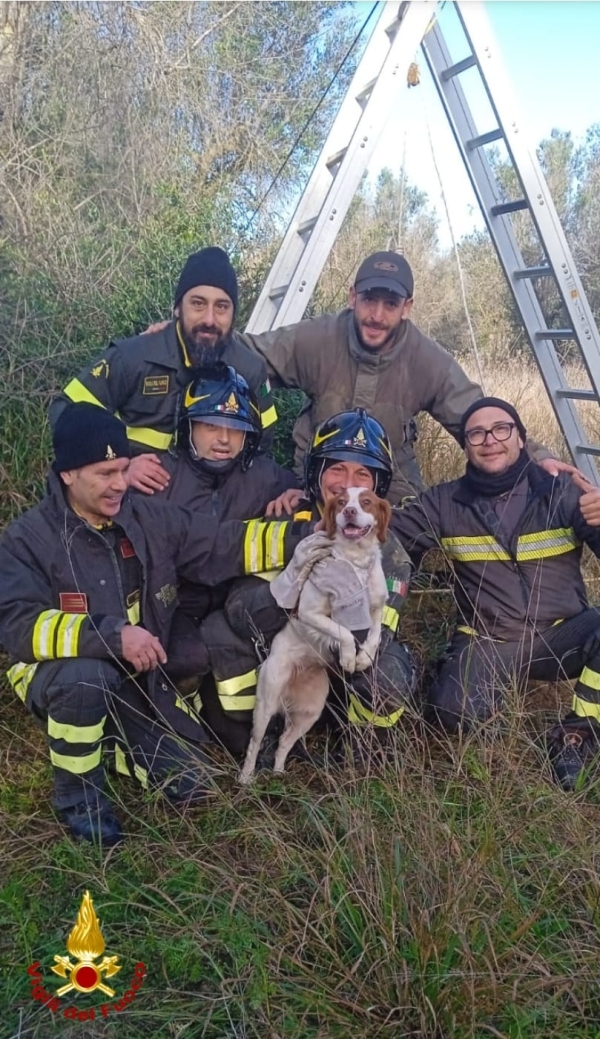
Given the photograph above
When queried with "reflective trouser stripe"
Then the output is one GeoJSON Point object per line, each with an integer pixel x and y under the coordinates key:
{"type": "Point", "coordinates": [141, 774]}
{"type": "Point", "coordinates": [586, 697]}
{"type": "Point", "coordinates": [358, 714]}
{"type": "Point", "coordinates": [390, 618]}
{"type": "Point", "coordinates": [56, 634]}
{"type": "Point", "coordinates": [150, 437]}
{"type": "Point", "coordinates": [20, 676]}
{"type": "Point", "coordinates": [80, 394]}
{"type": "Point", "coordinates": [77, 765]}
{"type": "Point", "coordinates": [268, 417]}
{"type": "Point", "coordinates": [75, 733]}
{"type": "Point", "coordinates": [230, 690]}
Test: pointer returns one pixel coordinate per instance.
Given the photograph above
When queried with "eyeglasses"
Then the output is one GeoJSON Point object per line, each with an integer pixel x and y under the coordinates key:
{"type": "Point", "coordinates": [500, 431]}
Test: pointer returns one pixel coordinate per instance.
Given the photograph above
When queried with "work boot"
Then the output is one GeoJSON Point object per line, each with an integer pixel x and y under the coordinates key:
{"type": "Point", "coordinates": [567, 759]}
{"type": "Point", "coordinates": [192, 787]}
{"type": "Point", "coordinates": [95, 823]}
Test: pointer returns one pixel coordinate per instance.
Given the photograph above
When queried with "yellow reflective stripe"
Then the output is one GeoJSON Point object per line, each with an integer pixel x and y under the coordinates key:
{"type": "Point", "coordinates": [239, 703]}
{"type": "Point", "coordinates": [19, 676]}
{"type": "Point", "coordinates": [79, 393]}
{"type": "Point", "coordinates": [358, 714]}
{"type": "Point", "coordinates": [268, 417]}
{"type": "Point", "coordinates": [149, 437]}
{"type": "Point", "coordinates": [77, 765]}
{"type": "Point", "coordinates": [268, 575]}
{"type": "Point", "coordinates": [121, 762]}
{"type": "Point", "coordinates": [274, 544]}
{"type": "Point", "coordinates": [254, 560]}
{"type": "Point", "coordinates": [475, 549]}
{"type": "Point", "coordinates": [231, 686]}
{"type": "Point", "coordinates": [300, 516]}
{"type": "Point", "coordinates": [67, 634]}
{"type": "Point", "coordinates": [43, 634]}
{"type": "Point", "coordinates": [186, 707]}
{"type": "Point", "coordinates": [133, 613]}
{"type": "Point", "coordinates": [585, 709]}
{"type": "Point", "coordinates": [545, 543]}
{"type": "Point", "coordinates": [466, 630]}
{"type": "Point", "coordinates": [75, 733]}
{"type": "Point", "coordinates": [390, 618]}
{"type": "Point", "coordinates": [591, 678]}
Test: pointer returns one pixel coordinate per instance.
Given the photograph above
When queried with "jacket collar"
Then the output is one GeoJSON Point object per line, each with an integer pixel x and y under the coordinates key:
{"type": "Point", "coordinates": [540, 483]}
{"type": "Point", "coordinates": [163, 348]}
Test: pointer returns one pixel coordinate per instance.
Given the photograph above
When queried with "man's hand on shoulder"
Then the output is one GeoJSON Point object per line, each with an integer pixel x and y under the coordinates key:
{"type": "Point", "coordinates": [589, 503]}
{"type": "Point", "coordinates": [146, 474]}
{"type": "Point", "coordinates": [158, 326]}
{"type": "Point", "coordinates": [285, 503]}
{"type": "Point", "coordinates": [141, 649]}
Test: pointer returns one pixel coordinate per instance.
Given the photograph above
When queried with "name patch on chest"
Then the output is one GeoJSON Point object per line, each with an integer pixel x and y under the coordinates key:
{"type": "Point", "coordinates": [73, 602]}
{"type": "Point", "coordinates": [155, 384]}
{"type": "Point", "coordinates": [127, 549]}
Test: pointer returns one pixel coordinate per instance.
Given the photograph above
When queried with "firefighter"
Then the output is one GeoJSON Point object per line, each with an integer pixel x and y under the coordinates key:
{"type": "Point", "coordinates": [349, 449]}
{"type": "Point", "coordinates": [514, 535]}
{"type": "Point", "coordinates": [217, 472]}
{"type": "Point", "coordinates": [372, 355]}
{"type": "Point", "coordinates": [88, 590]}
{"type": "Point", "coordinates": [143, 378]}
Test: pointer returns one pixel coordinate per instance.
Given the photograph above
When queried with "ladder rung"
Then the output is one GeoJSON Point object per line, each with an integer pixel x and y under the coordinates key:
{"type": "Point", "coordinates": [336, 158]}
{"type": "Point", "coordinates": [534, 272]}
{"type": "Point", "coordinates": [460, 66]}
{"type": "Point", "coordinates": [366, 92]}
{"type": "Point", "coordinates": [573, 394]}
{"type": "Point", "coordinates": [306, 225]}
{"type": "Point", "coordinates": [510, 207]}
{"type": "Point", "coordinates": [588, 449]}
{"type": "Point", "coordinates": [278, 292]}
{"type": "Point", "coordinates": [484, 138]}
{"type": "Point", "coordinates": [555, 333]}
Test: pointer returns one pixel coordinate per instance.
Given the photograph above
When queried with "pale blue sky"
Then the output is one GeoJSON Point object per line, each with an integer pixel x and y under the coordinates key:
{"type": "Point", "coordinates": [550, 49]}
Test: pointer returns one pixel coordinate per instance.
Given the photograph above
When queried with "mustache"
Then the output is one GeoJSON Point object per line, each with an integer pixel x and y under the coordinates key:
{"type": "Point", "coordinates": [206, 330]}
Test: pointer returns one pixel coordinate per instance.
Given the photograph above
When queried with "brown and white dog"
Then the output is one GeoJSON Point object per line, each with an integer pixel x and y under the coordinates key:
{"type": "Point", "coordinates": [345, 591]}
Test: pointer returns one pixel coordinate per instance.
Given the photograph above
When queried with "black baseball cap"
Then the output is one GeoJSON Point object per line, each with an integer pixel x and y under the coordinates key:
{"type": "Point", "coordinates": [385, 271]}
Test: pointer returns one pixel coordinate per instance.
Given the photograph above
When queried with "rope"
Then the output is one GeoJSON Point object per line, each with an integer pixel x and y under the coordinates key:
{"type": "Point", "coordinates": [456, 252]}
{"type": "Point", "coordinates": [308, 121]}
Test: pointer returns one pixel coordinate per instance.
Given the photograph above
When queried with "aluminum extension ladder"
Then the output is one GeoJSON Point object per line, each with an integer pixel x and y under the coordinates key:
{"type": "Point", "coordinates": [375, 89]}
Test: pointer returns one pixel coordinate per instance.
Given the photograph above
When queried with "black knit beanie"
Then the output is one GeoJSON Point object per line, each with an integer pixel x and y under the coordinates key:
{"type": "Point", "coordinates": [86, 434]}
{"type": "Point", "coordinates": [210, 266]}
{"type": "Point", "coordinates": [491, 402]}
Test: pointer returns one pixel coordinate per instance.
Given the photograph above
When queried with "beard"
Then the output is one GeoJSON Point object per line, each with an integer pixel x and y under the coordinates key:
{"type": "Point", "coordinates": [369, 347]}
{"type": "Point", "coordinates": [204, 354]}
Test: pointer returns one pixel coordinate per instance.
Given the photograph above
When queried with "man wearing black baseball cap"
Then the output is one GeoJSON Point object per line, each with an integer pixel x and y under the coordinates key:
{"type": "Point", "coordinates": [371, 356]}
{"type": "Point", "coordinates": [143, 379]}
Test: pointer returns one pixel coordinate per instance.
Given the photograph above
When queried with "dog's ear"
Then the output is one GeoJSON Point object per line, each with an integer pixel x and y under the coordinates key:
{"type": "Point", "coordinates": [329, 515]}
{"type": "Point", "coordinates": [384, 513]}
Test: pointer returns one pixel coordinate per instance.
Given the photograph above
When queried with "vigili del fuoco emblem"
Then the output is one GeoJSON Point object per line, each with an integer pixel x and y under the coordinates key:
{"type": "Point", "coordinates": [85, 943]}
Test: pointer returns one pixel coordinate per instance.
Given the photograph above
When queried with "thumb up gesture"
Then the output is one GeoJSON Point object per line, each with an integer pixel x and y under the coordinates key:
{"type": "Point", "coordinates": [589, 502]}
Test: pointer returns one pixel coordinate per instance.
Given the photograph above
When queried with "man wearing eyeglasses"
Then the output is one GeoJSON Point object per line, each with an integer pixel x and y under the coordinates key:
{"type": "Point", "coordinates": [514, 535]}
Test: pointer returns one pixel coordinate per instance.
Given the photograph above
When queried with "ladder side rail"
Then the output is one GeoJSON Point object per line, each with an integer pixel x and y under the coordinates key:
{"type": "Point", "coordinates": [385, 93]}
{"type": "Point", "coordinates": [317, 187]}
{"type": "Point", "coordinates": [486, 191]}
{"type": "Point", "coordinates": [343, 186]}
{"type": "Point", "coordinates": [541, 205]}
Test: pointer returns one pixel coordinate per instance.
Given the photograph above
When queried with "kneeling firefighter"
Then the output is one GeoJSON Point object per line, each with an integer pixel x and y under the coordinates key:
{"type": "Point", "coordinates": [350, 449]}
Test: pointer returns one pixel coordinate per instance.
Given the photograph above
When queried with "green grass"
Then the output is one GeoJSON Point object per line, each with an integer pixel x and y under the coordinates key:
{"type": "Point", "coordinates": [452, 891]}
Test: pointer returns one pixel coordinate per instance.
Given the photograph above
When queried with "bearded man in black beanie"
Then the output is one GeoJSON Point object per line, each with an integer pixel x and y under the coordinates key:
{"type": "Point", "coordinates": [514, 536]}
{"type": "Point", "coordinates": [143, 379]}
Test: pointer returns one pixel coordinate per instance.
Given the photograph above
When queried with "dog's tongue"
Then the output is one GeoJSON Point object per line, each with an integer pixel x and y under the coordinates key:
{"type": "Point", "coordinates": [354, 533]}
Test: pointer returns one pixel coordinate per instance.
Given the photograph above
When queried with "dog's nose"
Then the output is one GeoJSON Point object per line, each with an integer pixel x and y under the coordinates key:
{"type": "Point", "coordinates": [350, 512]}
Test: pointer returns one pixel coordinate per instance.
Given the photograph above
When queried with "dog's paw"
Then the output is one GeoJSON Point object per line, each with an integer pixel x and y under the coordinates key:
{"type": "Point", "coordinates": [245, 777]}
{"type": "Point", "coordinates": [363, 660]}
{"type": "Point", "coordinates": [348, 660]}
